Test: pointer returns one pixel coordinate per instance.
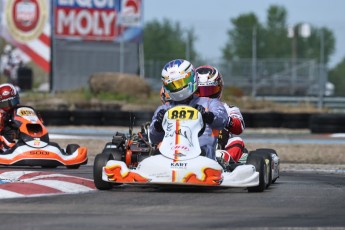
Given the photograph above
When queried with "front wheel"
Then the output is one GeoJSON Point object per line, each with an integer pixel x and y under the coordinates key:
{"type": "Point", "coordinates": [100, 161]}
{"type": "Point", "coordinates": [261, 167]}
{"type": "Point", "coordinates": [71, 148]}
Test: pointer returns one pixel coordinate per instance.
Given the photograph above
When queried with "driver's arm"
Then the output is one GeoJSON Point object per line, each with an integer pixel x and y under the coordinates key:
{"type": "Point", "coordinates": [156, 136]}
{"type": "Point", "coordinates": [219, 112]}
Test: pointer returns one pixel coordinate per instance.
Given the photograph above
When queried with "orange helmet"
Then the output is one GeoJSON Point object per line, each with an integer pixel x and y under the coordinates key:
{"type": "Point", "coordinates": [9, 96]}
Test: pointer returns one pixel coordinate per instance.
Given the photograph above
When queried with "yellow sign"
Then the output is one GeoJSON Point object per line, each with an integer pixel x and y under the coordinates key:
{"type": "Point", "coordinates": [182, 113]}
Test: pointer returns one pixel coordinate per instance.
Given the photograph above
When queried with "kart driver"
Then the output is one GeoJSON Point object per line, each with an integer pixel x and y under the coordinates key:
{"type": "Point", "coordinates": [9, 98]}
{"type": "Point", "coordinates": [180, 82]}
{"type": "Point", "coordinates": [210, 82]}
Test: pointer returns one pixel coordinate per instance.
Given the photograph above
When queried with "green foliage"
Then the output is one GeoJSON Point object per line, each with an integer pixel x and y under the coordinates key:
{"type": "Point", "coordinates": [272, 40]}
{"type": "Point", "coordinates": [337, 77]}
{"type": "Point", "coordinates": [240, 42]}
{"type": "Point", "coordinates": [166, 41]}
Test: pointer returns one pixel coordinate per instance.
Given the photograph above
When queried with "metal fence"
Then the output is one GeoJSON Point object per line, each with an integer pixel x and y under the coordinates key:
{"type": "Point", "coordinates": [75, 61]}
{"type": "Point", "coordinates": [265, 77]}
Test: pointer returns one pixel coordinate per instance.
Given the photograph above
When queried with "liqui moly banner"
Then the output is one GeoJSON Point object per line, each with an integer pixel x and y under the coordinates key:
{"type": "Point", "coordinates": [94, 19]}
{"type": "Point", "coordinates": [25, 24]}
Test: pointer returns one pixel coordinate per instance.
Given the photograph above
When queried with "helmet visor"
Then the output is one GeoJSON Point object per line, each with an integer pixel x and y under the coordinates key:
{"type": "Point", "coordinates": [9, 103]}
{"type": "Point", "coordinates": [208, 91]}
{"type": "Point", "coordinates": [179, 84]}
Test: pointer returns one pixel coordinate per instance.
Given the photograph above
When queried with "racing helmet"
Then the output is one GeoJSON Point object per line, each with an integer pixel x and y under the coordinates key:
{"type": "Point", "coordinates": [210, 82]}
{"type": "Point", "coordinates": [164, 96]}
{"type": "Point", "coordinates": [179, 79]}
{"type": "Point", "coordinates": [9, 96]}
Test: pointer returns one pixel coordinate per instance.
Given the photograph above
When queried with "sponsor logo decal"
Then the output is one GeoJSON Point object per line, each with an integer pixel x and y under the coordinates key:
{"type": "Point", "coordinates": [26, 18]}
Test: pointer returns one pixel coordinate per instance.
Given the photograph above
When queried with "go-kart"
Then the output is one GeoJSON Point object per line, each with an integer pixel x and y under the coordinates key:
{"type": "Point", "coordinates": [177, 161]}
{"type": "Point", "coordinates": [33, 147]}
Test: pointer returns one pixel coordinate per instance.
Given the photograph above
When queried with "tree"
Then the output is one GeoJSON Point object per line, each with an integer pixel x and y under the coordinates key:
{"type": "Point", "coordinates": [240, 42]}
{"type": "Point", "coordinates": [165, 41]}
{"type": "Point", "coordinates": [337, 77]}
{"type": "Point", "coordinates": [272, 40]}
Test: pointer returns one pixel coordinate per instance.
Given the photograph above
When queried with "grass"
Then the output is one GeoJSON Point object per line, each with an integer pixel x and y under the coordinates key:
{"type": "Point", "coordinates": [70, 98]}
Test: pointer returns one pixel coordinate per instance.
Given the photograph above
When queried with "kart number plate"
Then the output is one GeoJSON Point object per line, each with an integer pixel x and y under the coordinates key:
{"type": "Point", "coordinates": [183, 113]}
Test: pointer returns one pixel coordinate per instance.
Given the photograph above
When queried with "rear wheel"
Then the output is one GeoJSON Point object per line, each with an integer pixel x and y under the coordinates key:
{"type": "Point", "coordinates": [100, 161]}
{"type": "Point", "coordinates": [260, 166]}
{"type": "Point", "coordinates": [267, 155]}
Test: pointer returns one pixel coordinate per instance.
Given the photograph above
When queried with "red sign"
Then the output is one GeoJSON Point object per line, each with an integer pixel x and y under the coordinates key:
{"type": "Point", "coordinates": [86, 23]}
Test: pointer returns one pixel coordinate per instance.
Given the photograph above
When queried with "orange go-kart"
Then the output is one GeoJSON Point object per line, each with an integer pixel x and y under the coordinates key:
{"type": "Point", "coordinates": [33, 147]}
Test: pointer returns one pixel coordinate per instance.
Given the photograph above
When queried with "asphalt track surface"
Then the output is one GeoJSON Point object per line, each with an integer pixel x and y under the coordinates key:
{"type": "Point", "coordinates": [297, 200]}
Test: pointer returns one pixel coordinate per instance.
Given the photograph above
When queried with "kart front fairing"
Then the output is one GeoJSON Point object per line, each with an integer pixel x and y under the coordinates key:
{"type": "Point", "coordinates": [180, 162]}
{"type": "Point", "coordinates": [33, 147]}
{"type": "Point", "coordinates": [49, 155]}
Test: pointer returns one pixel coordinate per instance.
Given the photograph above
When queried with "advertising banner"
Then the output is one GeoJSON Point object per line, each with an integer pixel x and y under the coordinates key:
{"type": "Point", "coordinates": [97, 20]}
{"type": "Point", "coordinates": [25, 24]}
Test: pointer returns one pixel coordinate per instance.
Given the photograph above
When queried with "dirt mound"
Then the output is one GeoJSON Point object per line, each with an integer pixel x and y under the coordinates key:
{"type": "Point", "coordinates": [119, 83]}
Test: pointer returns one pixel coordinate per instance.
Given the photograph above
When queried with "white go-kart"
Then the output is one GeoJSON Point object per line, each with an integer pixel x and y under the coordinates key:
{"type": "Point", "coordinates": [179, 161]}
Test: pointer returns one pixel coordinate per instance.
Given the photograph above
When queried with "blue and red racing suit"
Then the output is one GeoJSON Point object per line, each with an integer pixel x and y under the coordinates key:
{"type": "Point", "coordinates": [208, 140]}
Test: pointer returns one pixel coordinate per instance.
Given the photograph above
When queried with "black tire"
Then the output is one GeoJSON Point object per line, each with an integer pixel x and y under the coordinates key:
{"type": "Point", "coordinates": [260, 166]}
{"type": "Point", "coordinates": [113, 153]}
{"type": "Point", "coordinates": [296, 120]}
{"type": "Point", "coordinates": [266, 120]}
{"type": "Point", "coordinates": [116, 118]}
{"type": "Point", "coordinates": [71, 148]}
{"type": "Point", "coordinates": [54, 117]}
{"type": "Point", "coordinates": [87, 117]}
{"type": "Point", "coordinates": [267, 155]}
{"type": "Point", "coordinates": [48, 166]}
{"type": "Point", "coordinates": [100, 161]}
{"type": "Point", "coordinates": [72, 166]}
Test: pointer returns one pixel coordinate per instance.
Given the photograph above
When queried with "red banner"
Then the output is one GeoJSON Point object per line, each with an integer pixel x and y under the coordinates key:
{"type": "Point", "coordinates": [86, 23]}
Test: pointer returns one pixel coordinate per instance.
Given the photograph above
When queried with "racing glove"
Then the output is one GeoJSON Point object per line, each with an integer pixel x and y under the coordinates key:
{"type": "Point", "coordinates": [229, 123]}
{"type": "Point", "coordinates": [159, 119]}
{"type": "Point", "coordinates": [207, 117]}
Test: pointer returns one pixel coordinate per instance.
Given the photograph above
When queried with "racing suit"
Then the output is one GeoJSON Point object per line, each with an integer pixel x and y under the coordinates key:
{"type": "Point", "coordinates": [208, 140]}
{"type": "Point", "coordinates": [233, 145]}
{"type": "Point", "coordinates": [8, 133]}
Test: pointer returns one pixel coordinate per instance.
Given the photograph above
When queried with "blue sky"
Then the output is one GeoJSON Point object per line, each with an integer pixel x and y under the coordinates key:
{"type": "Point", "coordinates": [211, 19]}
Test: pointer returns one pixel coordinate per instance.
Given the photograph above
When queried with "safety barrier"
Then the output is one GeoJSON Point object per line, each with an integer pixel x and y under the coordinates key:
{"type": "Point", "coordinates": [317, 123]}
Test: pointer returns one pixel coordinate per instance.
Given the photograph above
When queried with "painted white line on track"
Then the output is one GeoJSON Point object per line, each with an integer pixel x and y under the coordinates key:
{"type": "Point", "coordinates": [15, 184]}
{"type": "Point", "coordinates": [8, 194]}
{"type": "Point", "coordinates": [63, 186]}
{"type": "Point", "coordinates": [338, 135]}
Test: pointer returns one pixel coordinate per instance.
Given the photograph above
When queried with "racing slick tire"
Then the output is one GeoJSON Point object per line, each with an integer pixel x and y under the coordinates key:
{"type": "Point", "coordinates": [260, 166]}
{"type": "Point", "coordinates": [71, 148]}
{"type": "Point", "coordinates": [113, 153]}
{"type": "Point", "coordinates": [100, 161]}
{"type": "Point", "coordinates": [274, 152]}
{"type": "Point", "coordinates": [266, 154]}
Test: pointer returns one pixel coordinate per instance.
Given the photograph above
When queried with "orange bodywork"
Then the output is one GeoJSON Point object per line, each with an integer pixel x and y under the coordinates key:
{"type": "Point", "coordinates": [39, 134]}
{"type": "Point", "coordinates": [37, 154]}
{"type": "Point", "coordinates": [114, 174]}
{"type": "Point", "coordinates": [210, 177]}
